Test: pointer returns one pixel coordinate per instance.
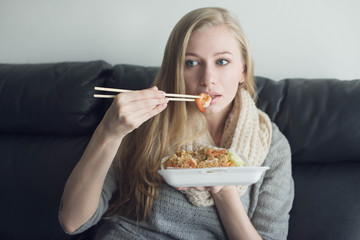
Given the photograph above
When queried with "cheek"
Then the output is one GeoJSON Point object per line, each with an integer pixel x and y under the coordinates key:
{"type": "Point", "coordinates": [231, 86]}
{"type": "Point", "coordinates": [190, 83]}
{"type": "Point", "coordinates": [231, 90]}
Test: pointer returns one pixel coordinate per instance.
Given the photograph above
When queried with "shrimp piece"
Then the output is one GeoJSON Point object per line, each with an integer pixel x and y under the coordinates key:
{"type": "Point", "coordinates": [190, 163]}
{"type": "Point", "coordinates": [214, 152]}
{"type": "Point", "coordinates": [184, 163]}
{"type": "Point", "coordinates": [203, 101]}
{"type": "Point", "coordinates": [220, 152]}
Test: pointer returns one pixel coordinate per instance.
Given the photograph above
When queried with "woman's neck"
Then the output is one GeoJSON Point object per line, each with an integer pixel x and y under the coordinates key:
{"type": "Point", "coordinates": [216, 124]}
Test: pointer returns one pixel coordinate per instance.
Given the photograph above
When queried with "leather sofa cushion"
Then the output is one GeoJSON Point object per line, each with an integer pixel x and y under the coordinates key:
{"type": "Point", "coordinates": [326, 201]}
{"type": "Point", "coordinates": [38, 95]}
{"type": "Point", "coordinates": [33, 171]}
{"type": "Point", "coordinates": [319, 117]}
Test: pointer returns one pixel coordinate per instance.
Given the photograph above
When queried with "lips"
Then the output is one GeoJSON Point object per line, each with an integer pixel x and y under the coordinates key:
{"type": "Point", "coordinates": [214, 96]}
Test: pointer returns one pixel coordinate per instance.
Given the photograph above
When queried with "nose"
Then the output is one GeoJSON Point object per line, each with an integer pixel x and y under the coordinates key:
{"type": "Point", "coordinates": [208, 76]}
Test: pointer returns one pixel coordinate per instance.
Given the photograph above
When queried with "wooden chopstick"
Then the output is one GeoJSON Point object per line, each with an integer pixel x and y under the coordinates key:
{"type": "Point", "coordinates": [126, 90]}
{"type": "Point", "coordinates": [170, 99]}
{"type": "Point", "coordinates": [103, 96]}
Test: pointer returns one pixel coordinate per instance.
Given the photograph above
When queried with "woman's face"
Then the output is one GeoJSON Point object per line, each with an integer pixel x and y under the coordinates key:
{"type": "Point", "coordinates": [213, 64]}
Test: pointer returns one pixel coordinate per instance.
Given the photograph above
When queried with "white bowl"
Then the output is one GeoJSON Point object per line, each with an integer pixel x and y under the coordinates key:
{"type": "Point", "coordinates": [219, 176]}
{"type": "Point", "coordinates": [193, 177]}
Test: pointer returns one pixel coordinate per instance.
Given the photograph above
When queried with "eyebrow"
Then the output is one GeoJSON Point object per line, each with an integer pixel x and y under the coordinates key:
{"type": "Point", "coordinates": [215, 54]}
{"type": "Point", "coordinates": [221, 53]}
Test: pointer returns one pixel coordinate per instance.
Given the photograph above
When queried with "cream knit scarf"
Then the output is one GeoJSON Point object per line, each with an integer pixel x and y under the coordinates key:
{"type": "Point", "coordinates": [247, 130]}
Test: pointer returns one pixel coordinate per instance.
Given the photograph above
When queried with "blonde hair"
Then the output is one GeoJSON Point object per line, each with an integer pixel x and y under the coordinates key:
{"type": "Point", "coordinates": [141, 151]}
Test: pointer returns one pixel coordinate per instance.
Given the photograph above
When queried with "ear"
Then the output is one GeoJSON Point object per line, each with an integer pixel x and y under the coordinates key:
{"type": "Point", "coordinates": [243, 75]}
{"type": "Point", "coordinates": [242, 79]}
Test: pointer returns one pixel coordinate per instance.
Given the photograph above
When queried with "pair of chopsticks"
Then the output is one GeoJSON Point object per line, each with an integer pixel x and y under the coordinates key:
{"type": "Point", "coordinates": [173, 96]}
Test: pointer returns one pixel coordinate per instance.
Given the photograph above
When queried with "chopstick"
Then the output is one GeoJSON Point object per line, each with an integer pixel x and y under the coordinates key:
{"type": "Point", "coordinates": [182, 97]}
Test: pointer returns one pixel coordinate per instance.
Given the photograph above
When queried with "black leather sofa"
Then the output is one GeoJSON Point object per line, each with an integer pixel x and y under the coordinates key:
{"type": "Point", "coordinates": [48, 114]}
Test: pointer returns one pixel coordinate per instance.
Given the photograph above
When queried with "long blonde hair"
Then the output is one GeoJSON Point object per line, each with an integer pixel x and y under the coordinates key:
{"type": "Point", "coordinates": [141, 151]}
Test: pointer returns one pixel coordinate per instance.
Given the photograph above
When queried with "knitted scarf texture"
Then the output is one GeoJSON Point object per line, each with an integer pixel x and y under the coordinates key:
{"type": "Point", "coordinates": [247, 130]}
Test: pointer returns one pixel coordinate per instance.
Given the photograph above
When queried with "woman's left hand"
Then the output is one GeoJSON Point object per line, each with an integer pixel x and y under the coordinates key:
{"type": "Point", "coordinates": [212, 189]}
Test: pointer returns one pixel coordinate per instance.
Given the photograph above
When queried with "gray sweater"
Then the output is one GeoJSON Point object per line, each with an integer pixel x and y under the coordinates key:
{"type": "Point", "coordinates": [267, 203]}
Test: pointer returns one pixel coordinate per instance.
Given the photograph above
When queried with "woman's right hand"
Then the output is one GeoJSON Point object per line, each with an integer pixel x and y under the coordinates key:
{"type": "Point", "coordinates": [83, 188]}
{"type": "Point", "coordinates": [129, 110]}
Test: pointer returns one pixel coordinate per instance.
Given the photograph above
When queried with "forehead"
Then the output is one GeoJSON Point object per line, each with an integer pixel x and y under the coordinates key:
{"type": "Point", "coordinates": [215, 38]}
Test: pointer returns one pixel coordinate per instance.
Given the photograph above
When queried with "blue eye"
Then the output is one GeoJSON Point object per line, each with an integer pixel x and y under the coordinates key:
{"type": "Point", "coordinates": [222, 61]}
{"type": "Point", "coordinates": [191, 63]}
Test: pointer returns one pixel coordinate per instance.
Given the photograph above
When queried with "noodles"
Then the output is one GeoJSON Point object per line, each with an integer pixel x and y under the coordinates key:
{"type": "Point", "coordinates": [203, 158]}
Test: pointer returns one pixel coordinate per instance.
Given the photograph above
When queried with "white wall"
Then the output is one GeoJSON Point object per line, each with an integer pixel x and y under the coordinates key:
{"type": "Point", "coordinates": [300, 38]}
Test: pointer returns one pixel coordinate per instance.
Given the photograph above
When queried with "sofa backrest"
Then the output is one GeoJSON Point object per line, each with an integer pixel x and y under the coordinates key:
{"type": "Point", "coordinates": [320, 117]}
{"type": "Point", "coordinates": [48, 114]}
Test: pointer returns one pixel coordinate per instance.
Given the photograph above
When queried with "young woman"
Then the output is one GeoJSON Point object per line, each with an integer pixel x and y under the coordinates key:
{"type": "Point", "coordinates": [116, 180]}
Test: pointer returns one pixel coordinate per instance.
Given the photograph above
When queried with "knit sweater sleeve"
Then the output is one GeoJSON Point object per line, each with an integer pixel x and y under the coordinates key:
{"type": "Point", "coordinates": [108, 189]}
{"type": "Point", "coordinates": [276, 192]}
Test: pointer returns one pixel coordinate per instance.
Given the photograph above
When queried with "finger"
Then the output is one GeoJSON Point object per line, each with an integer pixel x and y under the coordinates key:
{"type": "Point", "coordinates": [149, 114]}
{"type": "Point", "coordinates": [212, 189]}
{"type": "Point", "coordinates": [215, 189]}
{"type": "Point", "coordinates": [202, 188]}
{"type": "Point", "coordinates": [140, 94]}
{"type": "Point", "coordinates": [135, 119]}
{"type": "Point", "coordinates": [139, 105]}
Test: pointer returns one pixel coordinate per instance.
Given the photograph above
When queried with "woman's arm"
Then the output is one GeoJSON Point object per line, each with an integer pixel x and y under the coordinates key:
{"type": "Point", "coordinates": [233, 215]}
{"type": "Point", "coordinates": [83, 188]}
{"type": "Point", "coordinates": [274, 192]}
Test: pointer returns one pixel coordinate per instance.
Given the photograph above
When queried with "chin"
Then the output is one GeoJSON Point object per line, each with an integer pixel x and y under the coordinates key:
{"type": "Point", "coordinates": [213, 110]}
{"type": "Point", "coordinates": [218, 108]}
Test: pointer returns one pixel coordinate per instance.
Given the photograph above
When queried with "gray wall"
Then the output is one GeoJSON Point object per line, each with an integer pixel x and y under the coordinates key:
{"type": "Point", "coordinates": [300, 38]}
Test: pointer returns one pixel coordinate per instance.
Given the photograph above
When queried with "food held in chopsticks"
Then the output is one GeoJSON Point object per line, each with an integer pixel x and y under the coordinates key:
{"type": "Point", "coordinates": [203, 158]}
{"type": "Point", "coordinates": [203, 102]}
{"type": "Point", "coordinates": [173, 96]}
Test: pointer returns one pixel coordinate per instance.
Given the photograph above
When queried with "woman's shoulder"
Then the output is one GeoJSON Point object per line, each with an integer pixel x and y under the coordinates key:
{"type": "Point", "coordinates": [280, 150]}
{"type": "Point", "coordinates": [278, 137]}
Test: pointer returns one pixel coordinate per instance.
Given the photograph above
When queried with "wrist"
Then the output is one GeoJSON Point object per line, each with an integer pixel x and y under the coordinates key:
{"type": "Point", "coordinates": [105, 135]}
{"type": "Point", "coordinates": [226, 192]}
